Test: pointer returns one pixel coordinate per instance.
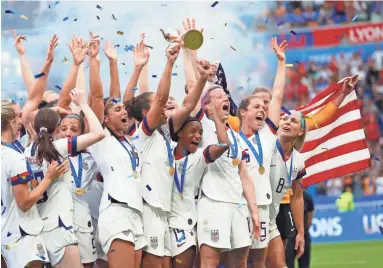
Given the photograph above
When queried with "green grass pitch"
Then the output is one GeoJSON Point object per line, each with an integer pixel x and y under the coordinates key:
{"type": "Point", "coordinates": [351, 254]}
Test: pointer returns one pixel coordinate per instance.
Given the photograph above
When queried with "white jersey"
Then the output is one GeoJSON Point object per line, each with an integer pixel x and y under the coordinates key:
{"type": "Point", "coordinates": [221, 181]}
{"type": "Point", "coordinates": [94, 195]}
{"type": "Point", "coordinates": [184, 211]}
{"type": "Point", "coordinates": [115, 165]}
{"type": "Point", "coordinates": [157, 182]}
{"type": "Point", "coordinates": [56, 204]}
{"type": "Point", "coordinates": [261, 181]}
{"type": "Point", "coordinates": [82, 215]}
{"type": "Point", "coordinates": [14, 222]}
{"type": "Point", "coordinates": [279, 177]}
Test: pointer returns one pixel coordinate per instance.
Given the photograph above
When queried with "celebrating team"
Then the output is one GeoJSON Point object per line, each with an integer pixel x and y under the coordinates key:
{"type": "Point", "coordinates": [138, 181]}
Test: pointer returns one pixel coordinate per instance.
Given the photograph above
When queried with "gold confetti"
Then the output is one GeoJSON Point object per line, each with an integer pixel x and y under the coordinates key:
{"type": "Point", "coordinates": [310, 117]}
{"type": "Point", "coordinates": [120, 33]}
{"type": "Point", "coordinates": [65, 59]}
{"type": "Point", "coordinates": [24, 17]}
{"type": "Point", "coordinates": [289, 65]}
{"type": "Point", "coordinates": [179, 261]}
{"type": "Point", "coordinates": [261, 28]}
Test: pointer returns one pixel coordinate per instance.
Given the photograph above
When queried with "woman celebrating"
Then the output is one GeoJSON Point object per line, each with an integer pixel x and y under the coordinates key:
{"type": "Point", "coordinates": [287, 168]}
{"type": "Point", "coordinates": [157, 166]}
{"type": "Point", "coordinates": [22, 242]}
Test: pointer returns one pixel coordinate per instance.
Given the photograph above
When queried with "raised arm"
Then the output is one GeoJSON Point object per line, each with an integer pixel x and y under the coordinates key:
{"type": "Point", "coordinates": [111, 54]}
{"type": "Point", "coordinates": [78, 50]}
{"type": "Point", "coordinates": [215, 151]}
{"type": "Point", "coordinates": [96, 89]}
{"type": "Point", "coordinates": [279, 82]}
{"type": "Point", "coordinates": [80, 83]}
{"type": "Point", "coordinates": [96, 132]}
{"type": "Point", "coordinates": [36, 94]}
{"type": "Point", "coordinates": [140, 58]}
{"type": "Point", "coordinates": [28, 77]}
{"type": "Point", "coordinates": [143, 81]}
{"type": "Point", "coordinates": [162, 95]}
{"type": "Point", "coordinates": [191, 99]}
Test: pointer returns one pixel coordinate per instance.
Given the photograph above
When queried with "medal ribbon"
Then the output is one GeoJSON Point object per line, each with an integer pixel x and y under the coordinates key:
{"type": "Point", "coordinates": [18, 145]}
{"type": "Point", "coordinates": [13, 147]}
{"type": "Point", "coordinates": [170, 153]}
{"type": "Point", "coordinates": [133, 160]}
{"type": "Point", "coordinates": [257, 156]}
{"type": "Point", "coordinates": [77, 176]}
{"type": "Point", "coordinates": [234, 147]}
{"type": "Point", "coordinates": [280, 149]}
{"type": "Point", "coordinates": [180, 188]}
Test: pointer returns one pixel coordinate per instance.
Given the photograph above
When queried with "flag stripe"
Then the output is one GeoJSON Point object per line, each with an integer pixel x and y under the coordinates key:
{"type": "Point", "coordinates": [336, 172]}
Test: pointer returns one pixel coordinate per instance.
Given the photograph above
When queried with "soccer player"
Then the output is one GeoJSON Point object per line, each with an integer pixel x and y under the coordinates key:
{"type": "Point", "coordinates": [22, 242]}
{"type": "Point", "coordinates": [158, 166]}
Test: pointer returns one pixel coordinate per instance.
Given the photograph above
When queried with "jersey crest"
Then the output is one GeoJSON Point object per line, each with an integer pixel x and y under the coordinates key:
{"type": "Point", "coordinates": [214, 235]}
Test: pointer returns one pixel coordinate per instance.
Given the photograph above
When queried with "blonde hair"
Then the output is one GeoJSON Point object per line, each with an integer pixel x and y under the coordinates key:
{"type": "Point", "coordinates": [7, 114]}
{"type": "Point", "coordinates": [262, 89]}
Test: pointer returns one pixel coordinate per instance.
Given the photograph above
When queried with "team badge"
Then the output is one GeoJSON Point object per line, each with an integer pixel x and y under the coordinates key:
{"type": "Point", "coordinates": [154, 242]}
{"type": "Point", "coordinates": [40, 249]}
{"type": "Point", "coordinates": [214, 235]}
{"type": "Point", "coordinates": [85, 165]}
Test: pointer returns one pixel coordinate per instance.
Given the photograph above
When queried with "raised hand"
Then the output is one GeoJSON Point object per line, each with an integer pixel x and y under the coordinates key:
{"type": "Point", "coordinates": [172, 53]}
{"type": "Point", "coordinates": [349, 84]}
{"type": "Point", "coordinates": [279, 50]}
{"type": "Point", "coordinates": [110, 51]}
{"type": "Point", "coordinates": [78, 97]}
{"type": "Point", "coordinates": [94, 45]}
{"type": "Point", "coordinates": [188, 24]}
{"type": "Point", "coordinates": [204, 68]}
{"type": "Point", "coordinates": [78, 50]}
{"type": "Point", "coordinates": [52, 45]}
{"type": "Point", "coordinates": [18, 44]}
{"type": "Point", "coordinates": [141, 53]}
{"type": "Point", "coordinates": [212, 71]}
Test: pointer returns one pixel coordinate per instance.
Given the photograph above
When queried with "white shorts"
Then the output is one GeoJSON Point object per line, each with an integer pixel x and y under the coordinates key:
{"type": "Point", "coordinates": [264, 222]}
{"type": "Point", "coordinates": [100, 253]}
{"type": "Point", "coordinates": [118, 221]}
{"type": "Point", "coordinates": [182, 240]}
{"type": "Point", "coordinates": [87, 246]}
{"type": "Point", "coordinates": [274, 232]}
{"type": "Point", "coordinates": [25, 250]}
{"type": "Point", "coordinates": [157, 231]}
{"type": "Point", "coordinates": [56, 240]}
{"type": "Point", "coordinates": [223, 225]}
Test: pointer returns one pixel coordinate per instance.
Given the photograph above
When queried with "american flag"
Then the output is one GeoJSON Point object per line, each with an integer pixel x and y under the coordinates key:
{"type": "Point", "coordinates": [338, 147]}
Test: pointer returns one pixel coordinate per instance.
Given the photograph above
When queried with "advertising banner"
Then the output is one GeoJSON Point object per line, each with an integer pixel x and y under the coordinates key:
{"type": "Point", "coordinates": [332, 226]}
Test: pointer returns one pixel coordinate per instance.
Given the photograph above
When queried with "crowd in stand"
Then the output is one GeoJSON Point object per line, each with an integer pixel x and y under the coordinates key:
{"type": "Point", "coordinates": [313, 13]}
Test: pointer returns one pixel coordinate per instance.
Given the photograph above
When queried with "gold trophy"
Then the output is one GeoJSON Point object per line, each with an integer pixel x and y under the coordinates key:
{"type": "Point", "coordinates": [193, 39]}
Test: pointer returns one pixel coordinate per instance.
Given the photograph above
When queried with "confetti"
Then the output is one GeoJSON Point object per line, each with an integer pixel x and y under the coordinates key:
{"type": "Point", "coordinates": [114, 17]}
{"type": "Point", "coordinates": [297, 62]}
{"type": "Point", "coordinates": [240, 87]}
{"type": "Point", "coordinates": [214, 4]}
{"type": "Point", "coordinates": [75, 20]}
{"type": "Point", "coordinates": [292, 32]}
{"type": "Point", "coordinates": [24, 17]}
{"type": "Point", "coordinates": [116, 45]}
{"type": "Point", "coordinates": [179, 261]}
{"type": "Point", "coordinates": [376, 158]}
{"type": "Point", "coordinates": [261, 28]}
{"type": "Point", "coordinates": [289, 65]}
{"type": "Point", "coordinates": [149, 46]}
{"type": "Point", "coordinates": [225, 23]}
{"type": "Point", "coordinates": [9, 12]}
{"type": "Point", "coordinates": [148, 187]}
{"type": "Point", "coordinates": [98, 17]}
{"type": "Point", "coordinates": [99, 7]}
{"type": "Point", "coordinates": [129, 48]}
{"type": "Point", "coordinates": [135, 89]}
{"type": "Point", "coordinates": [285, 110]}
{"type": "Point", "coordinates": [154, 75]}
{"type": "Point", "coordinates": [134, 138]}
{"type": "Point", "coordinates": [123, 63]}
{"type": "Point", "coordinates": [66, 18]}
{"type": "Point", "coordinates": [233, 48]}
{"type": "Point", "coordinates": [39, 75]}
{"type": "Point", "coordinates": [54, 4]}
{"type": "Point", "coordinates": [239, 205]}
{"type": "Point", "coordinates": [65, 59]}
{"type": "Point", "coordinates": [280, 23]}
{"type": "Point", "coordinates": [174, 74]}
{"type": "Point", "coordinates": [354, 18]}
{"type": "Point", "coordinates": [58, 87]}
{"type": "Point", "coordinates": [120, 33]}
{"type": "Point", "coordinates": [325, 149]}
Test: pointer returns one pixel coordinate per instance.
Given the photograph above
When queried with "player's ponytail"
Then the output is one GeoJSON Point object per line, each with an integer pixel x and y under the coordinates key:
{"type": "Point", "coordinates": [45, 124]}
{"type": "Point", "coordinates": [136, 105]}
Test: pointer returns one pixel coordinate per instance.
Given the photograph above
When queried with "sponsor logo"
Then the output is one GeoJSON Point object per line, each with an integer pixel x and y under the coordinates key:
{"type": "Point", "coordinates": [323, 227]}
{"type": "Point", "coordinates": [214, 235]}
{"type": "Point", "coordinates": [372, 223]}
{"type": "Point", "coordinates": [154, 242]}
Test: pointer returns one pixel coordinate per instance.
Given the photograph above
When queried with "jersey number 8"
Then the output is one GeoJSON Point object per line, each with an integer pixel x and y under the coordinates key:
{"type": "Point", "coordinates": [281, 183]}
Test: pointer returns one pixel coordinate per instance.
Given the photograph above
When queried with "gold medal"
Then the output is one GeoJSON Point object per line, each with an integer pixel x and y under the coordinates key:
{"type": "Point", "coordinates": [135, 174]}
{"type": "Point", "coordinates": [171, 171]}
{"type": "Point", "coordinates": [80, 191]}
{"type": "Point", "coordinates": [261, 169]}
{"type": "Point", "coordinates": [236, 162]}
